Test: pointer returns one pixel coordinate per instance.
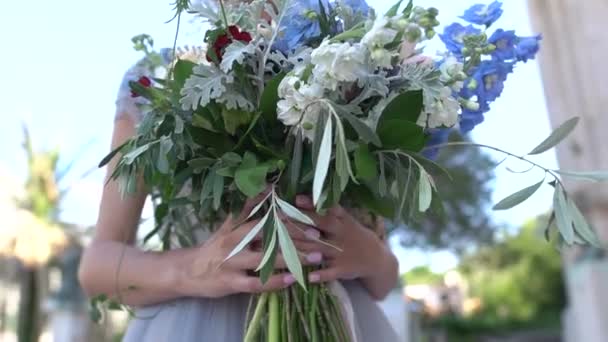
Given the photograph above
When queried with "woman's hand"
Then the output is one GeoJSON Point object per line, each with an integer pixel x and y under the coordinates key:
{"type": "Point", "coordinates": [207, 273]}
{"type": "Point", "coordinates": [362, 254]}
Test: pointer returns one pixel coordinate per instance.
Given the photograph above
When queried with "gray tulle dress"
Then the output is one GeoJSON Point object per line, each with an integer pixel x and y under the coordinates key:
{"type": "Point", "coordinates": [223, 319]}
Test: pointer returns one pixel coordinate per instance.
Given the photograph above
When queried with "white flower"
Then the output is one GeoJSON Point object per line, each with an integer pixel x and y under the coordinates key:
{"type": "Point", "coordinates": [379, 35]}
{"type": "Point", "coordinates": [338, 62]}
{"type": "Point", "coordinates": [375, 40]}
{"type": "Point", "coordinates": [439, 111]}
{"type": "Point", "coordinates": [452, 72]}
{"type": "Point", "coordinates": [299, 104]}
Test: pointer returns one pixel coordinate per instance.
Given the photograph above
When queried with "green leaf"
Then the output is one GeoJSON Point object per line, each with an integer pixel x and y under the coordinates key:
{"type": "Point", "coordinates": [162, 163]}
{"type": "Point", "coordinates": [295, 167]}
{"type": "Point", "coordinates": [179, 125]}
{"type": "Point", "coordinates": [270, 97]}
{"type": "Point", "coordinates": [382, 206]}
{"type": "Point", "coordinates": [270, 254]}
{"type": "Point", "coordinates": [401, 134]}
{"type": "Point", "coordinates": [394, 9]}
{"type": "Point", "coordinates": [114, 306]}
{"type": "Point", "coordinates": [518, 197]}
{"type": "Point", "coordinates": [258, 207]}
{"type": "Point", "coordinates": [182, 71]}
{"type": "Point", "coordinates": [289, 251]}
{"type": "Point", "coordinates": [365, 132]}
{"type": "Point", "coordinates": [425, 192]}
{"type": "Point", "coordinates": [556, 136]}
{"type": "Point", "coordinates": [343, 168]}
{"type": "Point", "coordinates": [365, 164]}
{"type": "Point", "coordinates": [218, 190]}
{"type": "Point", "coordinates": [406, 106]}
{"type": "Point", "coordinates": [130, 157]}
{"type": "Point", "coordinates": [204, 137]}
{"type": "Point", "coordinates": [322, 164]}
{"type": "Point", "coordinates": [294, 212]}
{"type": "Point", "coordinates": [94, 312]}
{"type": "Point", "coordinates": [232, 159]}
{"type": "Point", "coordinates": [382, 183]}
{"type": "Point", "coordinates": [249, 237]}
{"type": "Point", "coordinates": [408, 9]}
{"type": "Point", "coordinates": [593, 176]}
{"type": "Point", "coordinates": [251, 181]}
{"type": "Point", "coordinates": [111, 155]}
{"type": "Point", "coordinates": [269, 249]}
{"type": "Point", "coordinates": [226, 171]}
{"type": "Point", "coordinates": [202, 163]}
{"type": "Point", "coordinates": [582, 226]}
{"type": "Point", "coordinates": [562, 215]}
{"type": "Point", "coordinates": [235, 118]}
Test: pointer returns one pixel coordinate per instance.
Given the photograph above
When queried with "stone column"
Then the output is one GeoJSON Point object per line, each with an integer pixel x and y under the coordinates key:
{"type": "Point", "coordinates": [574, 67]}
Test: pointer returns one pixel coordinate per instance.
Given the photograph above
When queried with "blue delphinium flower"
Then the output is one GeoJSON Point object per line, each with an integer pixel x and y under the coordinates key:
{"type": "Point", "coordinates": [486, 85]}
{"type": "Point", "coordinates": [301, 24]}
{"type": "Point", "coordinates": [453, 37]}
{"type": "Point", "coordinates": [471, 118]}
{"type": "Point", "coordinates": [487, 80]}
{"type": "Point", "coordinates": [481, 14]}
{"type": "Point", "coordinates": [527, 48]}
{"type": "Point", "coordinates": [505, 44]}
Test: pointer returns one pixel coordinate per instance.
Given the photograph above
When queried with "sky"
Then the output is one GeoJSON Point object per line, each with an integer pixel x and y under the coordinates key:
{"type": "Point", "coordinates": [64, 60]}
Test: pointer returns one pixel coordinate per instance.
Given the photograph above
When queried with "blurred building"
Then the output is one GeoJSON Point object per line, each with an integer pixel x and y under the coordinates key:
{"type": "Point", "coordinates": [574, 69]}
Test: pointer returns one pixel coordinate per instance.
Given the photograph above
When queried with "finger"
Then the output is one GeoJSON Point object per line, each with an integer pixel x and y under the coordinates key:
{"type": "Point", "coordinates": [246, 284]}
{"type": "Point", "coordinates": [250, 203]}
{"type": "Point", "coordinates": [304, 202]}
{"type": "Point", "coordinates": [327, 251]}
{"type": "Point", "coordinates": [300, 231]}
{"type": "Point", "coordinates": [236, 235]}
{"type": "Point", "coordinates": [338, 211]}
{"type": "Point", "coordinates": [250, 260]}
{"type": "Point", "coordinates": [324, 275]}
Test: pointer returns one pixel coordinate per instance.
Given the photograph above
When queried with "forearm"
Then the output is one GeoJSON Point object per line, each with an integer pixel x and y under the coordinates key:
{"type": "Point", "coordinates": [382, 280]}
{"type": "Point", "coordinates": [130, 275]}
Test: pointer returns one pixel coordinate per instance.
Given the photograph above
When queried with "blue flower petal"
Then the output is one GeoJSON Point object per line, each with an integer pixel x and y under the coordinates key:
{"type": "Point", "coordinates": [481, 14]}
{"type": "Point", "coordinates": [453, 37]}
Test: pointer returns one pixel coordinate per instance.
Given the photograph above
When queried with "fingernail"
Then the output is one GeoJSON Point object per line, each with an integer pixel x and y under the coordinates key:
{"type": "Point", "coordinates": [312, 234]}
{"type": "Point", "coordinates": [289, 279]}
{"type": "Point", "coordinates": [314, 278]}
{"type": "Point", "coordinates": [314, 257]}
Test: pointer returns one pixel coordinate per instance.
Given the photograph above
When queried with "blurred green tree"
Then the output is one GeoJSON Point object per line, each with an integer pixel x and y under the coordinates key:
{"type": "Point", "coordinates": [463, 221]}
{"type": "Point", "coordinates": [518, 279]}
{"type": "Point", "coordinates": [421, 275]}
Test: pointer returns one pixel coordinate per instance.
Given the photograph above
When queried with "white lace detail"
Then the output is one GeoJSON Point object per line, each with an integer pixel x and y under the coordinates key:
{"type": "Point", "coordinates": [131, 107]}
{"type": "Point", "coordinates": [126, 104]}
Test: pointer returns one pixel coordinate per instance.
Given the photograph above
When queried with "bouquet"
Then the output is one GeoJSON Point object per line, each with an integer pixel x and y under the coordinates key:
{"type": "Point", "coordinates": [327, 99]}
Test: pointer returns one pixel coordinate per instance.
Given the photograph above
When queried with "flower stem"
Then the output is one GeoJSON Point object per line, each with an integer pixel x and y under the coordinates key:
{"type": "Point", "coordinates": [254, 325]}
{"type": "Point", "coordinates": [314, 300]}
{"type": "Point", "coordinates": [522, 158]}
{"type": "Point", "coordinates": [274, 318]}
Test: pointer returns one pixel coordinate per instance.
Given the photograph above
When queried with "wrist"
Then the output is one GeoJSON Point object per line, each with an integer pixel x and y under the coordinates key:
{"type": "Point", "coordinates": [383, 276]}
{"type": "Point", "coordinates": [177, 272]}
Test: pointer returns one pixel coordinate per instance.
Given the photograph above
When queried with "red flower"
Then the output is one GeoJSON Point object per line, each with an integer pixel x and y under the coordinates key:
{"type": "Point", "coordinates": [144, 81]}
{"type": "Point", "coordinates": [238, 35]}
{"type": "Point", "coordinates": [222, 41]}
